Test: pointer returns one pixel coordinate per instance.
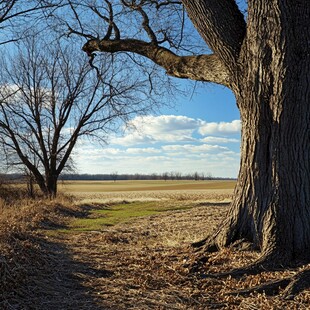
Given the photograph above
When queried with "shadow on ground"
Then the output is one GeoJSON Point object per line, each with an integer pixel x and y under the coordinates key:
{"type": "Point", "coordinates": [55, 281]}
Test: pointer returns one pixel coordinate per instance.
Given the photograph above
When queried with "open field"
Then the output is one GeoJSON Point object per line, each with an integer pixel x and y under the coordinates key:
{"type": "Point", "coordinates": [103, 191]}
{"type": "Point", "coordinates": [122, 249]}
{"type": "Point", "coordinates": [145, 185]}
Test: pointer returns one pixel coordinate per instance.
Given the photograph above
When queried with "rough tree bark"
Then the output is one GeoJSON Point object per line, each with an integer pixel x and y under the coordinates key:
{"type": "Point", "coordinates": [271, 204]}
{"type": "Point", "coordinates": [265, 61]}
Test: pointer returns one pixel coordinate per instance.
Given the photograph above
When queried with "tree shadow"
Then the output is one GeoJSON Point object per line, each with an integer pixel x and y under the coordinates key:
{"type": "Point", "coordinates": [56, 280]}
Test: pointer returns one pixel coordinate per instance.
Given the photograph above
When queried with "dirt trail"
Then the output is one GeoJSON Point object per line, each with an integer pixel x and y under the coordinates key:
{"type": "Point", "coordinates": [137, 265]}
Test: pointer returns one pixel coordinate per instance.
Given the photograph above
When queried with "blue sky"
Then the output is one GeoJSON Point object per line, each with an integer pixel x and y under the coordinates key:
{"type": "Point", "coordinates": [200, 133]}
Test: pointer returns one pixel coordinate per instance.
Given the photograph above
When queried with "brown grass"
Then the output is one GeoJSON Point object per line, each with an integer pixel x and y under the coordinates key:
{"type": "Point", "coordinates": [20, 246]}
{"type": "Point", "coordinates": [143, 264]}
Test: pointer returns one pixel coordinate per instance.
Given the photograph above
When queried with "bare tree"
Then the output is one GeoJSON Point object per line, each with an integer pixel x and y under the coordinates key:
{"type": "Point", "coordinates": [50, 98]}
{"type": "Point", "coordinates": [114, 175]}
{"type": "Point", "coordinates": [264, 59]}
{"type": "Point", "coordinates": [17, 17]}
{"type": "Point", "coordinates": [208, 176]}
{"type": "Point", "coordinates": [196, 176]}
{"type": "Point", "coordinates": [165, 176]}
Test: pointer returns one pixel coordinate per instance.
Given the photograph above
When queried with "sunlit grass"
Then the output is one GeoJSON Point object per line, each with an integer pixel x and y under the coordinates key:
{"type": "Point", "coordinates": [120, 213]}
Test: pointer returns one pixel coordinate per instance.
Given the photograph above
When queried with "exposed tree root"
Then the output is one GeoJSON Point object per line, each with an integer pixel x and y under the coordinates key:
{"type": "Point", "coordinates": [271, 261]}
{"type": "Point", "coordinates": [298, 283]}
{"type": "Point", "coordinates": [252, 269]}
{"type": "Point", "coordinates": [293, 286]}
{"type": "Point", "coordinates": [199, 244]}
{"type": "Point", "coordinates": [269, 288]}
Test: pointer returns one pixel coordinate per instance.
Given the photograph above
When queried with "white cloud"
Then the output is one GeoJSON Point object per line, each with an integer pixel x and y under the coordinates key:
{"type": "Point", "coordinates": [220, 140]}
{"type": "Point", "coordinates": [173, 128]}
{"type": "Point", "coordinates": [163, 123]}
{"type": "Point", "coordinates": [190, 148]}
{"type": "Point", "coordinates": [164, 128]}
{"type": "Point", "coordinates": [133, 138]}
{"type": "Point", "coordinates": [170, 143]}
{"type": "Point", "coordinates": [220, 128]}
{"type": "Point", "coordinates": [147, 150]}
{"type": "Point", "coordinates": [218, 165]}
{"type": "Point", "coordinates": [110, 151]}
{"type": "Point", "coordinates": [217, 160]}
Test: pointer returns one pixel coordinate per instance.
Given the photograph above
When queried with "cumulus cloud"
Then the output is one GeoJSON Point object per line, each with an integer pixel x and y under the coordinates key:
{"type": "Point", "coordinates": [164, 128]}
{"type": "Point", "coordinates": [167, 143]}
{"type": "Point", "coordinates": [220, 140]}
{"type": "Point", "coordinates": [220, 128]}
{"type": "Point", "coordinates": [89, 154]}
{"type": "Point", "coordinates": [190, 148]}
{"type": "Point", "coordinates": [175, 128]}
{"type": "Point", "coordinates": [164, 123]}
{"type": "Point", "coordinates": [147, 150]}
{"type": "Point", "coordinates": [133, 138]}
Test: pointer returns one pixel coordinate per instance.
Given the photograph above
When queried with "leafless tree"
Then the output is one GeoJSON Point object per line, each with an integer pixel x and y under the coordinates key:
{"type": "Point", "coordinates": [196, 176]}
{"type": "Point", "coordinates": [50, 98]}
{"type": "Point", "coordinates": [114, 175]}
{"type": "Point", "coordinates": [17, 17]}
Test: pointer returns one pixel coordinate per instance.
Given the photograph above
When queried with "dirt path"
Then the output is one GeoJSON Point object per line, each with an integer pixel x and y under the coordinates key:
{"type": "Point", "coordinates": [129, 266]}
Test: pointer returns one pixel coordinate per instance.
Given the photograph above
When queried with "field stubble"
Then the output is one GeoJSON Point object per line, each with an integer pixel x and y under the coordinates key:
{"type": "Point", "coordinates": [163, 195]}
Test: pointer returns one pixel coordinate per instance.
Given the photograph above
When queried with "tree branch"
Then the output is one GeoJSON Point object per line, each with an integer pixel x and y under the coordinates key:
{"type": "Point", "coordinates": [221, 25]}
{"type": "Point", "coordinates": [201, 67]}
{"type": "Point", "coordinates": [146, 20]}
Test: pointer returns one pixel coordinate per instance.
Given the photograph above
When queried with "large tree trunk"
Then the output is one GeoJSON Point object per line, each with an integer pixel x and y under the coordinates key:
{"type": "Point", "coordinates": [271, 204]}
{"type": "Point", "coordinates": [266, 62]}
{"type": "Point", "coordinates": [51, 185]}
{"type": "Point", "coordinates": [47, 185]}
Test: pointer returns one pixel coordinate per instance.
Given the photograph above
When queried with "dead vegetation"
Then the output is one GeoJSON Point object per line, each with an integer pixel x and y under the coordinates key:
{"type": "Point", "coordinates": [143, 264]}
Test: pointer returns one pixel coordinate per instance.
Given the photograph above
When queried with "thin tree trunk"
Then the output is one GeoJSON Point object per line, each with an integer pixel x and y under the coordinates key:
{"type": "Point", "coordinates": [30, 185]}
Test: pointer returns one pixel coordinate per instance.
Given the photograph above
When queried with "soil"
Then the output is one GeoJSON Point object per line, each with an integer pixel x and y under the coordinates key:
{"type": "Point", "coordinates": [144, 264]}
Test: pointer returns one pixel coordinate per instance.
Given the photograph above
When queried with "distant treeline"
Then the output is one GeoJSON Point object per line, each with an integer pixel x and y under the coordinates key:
{"type": "Point", "coordinates": [137, 176]}
{"type": "Point", "coordinates": [115, 176]}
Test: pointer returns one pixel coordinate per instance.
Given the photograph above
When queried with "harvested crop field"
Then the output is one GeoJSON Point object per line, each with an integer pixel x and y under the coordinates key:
{"type": "Point", "coordinates": [150, 190]}
{"type": "Point", "coordinates": [157, 185]}
{"type": "Point", "coordinates": [144, 262]}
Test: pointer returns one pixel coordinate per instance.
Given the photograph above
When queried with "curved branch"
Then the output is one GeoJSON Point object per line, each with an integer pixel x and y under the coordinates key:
{"type": "Point", "coordinates": [146, 21]}
{"type": "Point", "coordinates": [110, 20]}
{"type": "Point", "coordinates": [199, 67]}
{"type": "Point", "coordinates": [221, 25]}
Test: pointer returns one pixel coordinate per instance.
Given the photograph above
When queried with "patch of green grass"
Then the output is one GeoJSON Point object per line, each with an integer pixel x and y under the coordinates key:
{"type": "Point", "coordinates": [120, 213]}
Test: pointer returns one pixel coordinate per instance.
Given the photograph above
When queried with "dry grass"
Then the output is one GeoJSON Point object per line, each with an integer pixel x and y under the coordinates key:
{"type": "Point", "coordinates": [146, 185]}
{"type": "Point", "coordinates": [142, 264]}
{"type": "Point", "coordinates": [20, 247]}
